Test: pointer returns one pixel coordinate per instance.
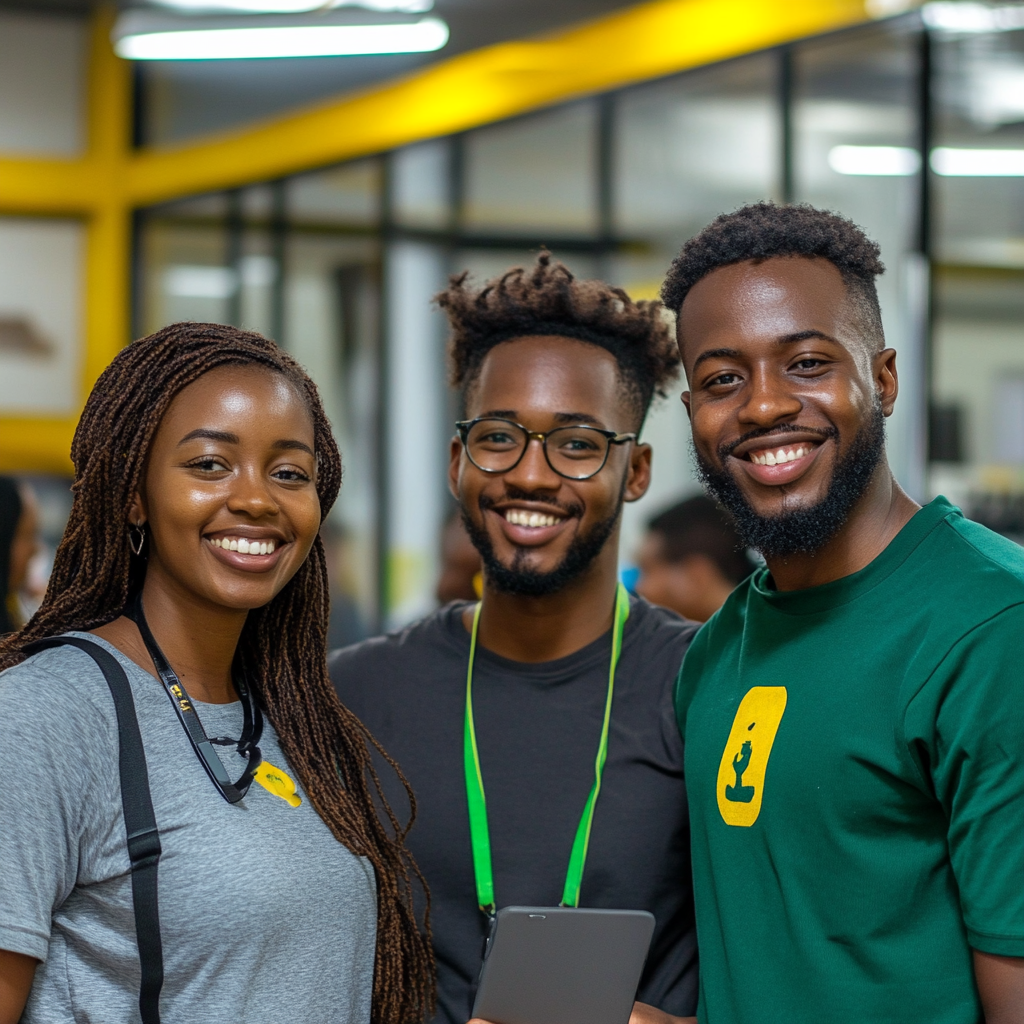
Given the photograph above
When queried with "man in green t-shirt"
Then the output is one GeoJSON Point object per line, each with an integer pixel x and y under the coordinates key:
{"type": "Point", "coordinates": [854, 715]}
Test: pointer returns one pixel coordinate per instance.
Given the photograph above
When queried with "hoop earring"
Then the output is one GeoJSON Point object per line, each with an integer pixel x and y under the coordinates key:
{"type": "Point", "coordinates": [136, 537]}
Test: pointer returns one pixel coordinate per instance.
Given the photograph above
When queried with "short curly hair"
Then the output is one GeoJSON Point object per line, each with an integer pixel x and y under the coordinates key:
{"type": "Point", "coordinates": [548, 299]}
{"type": "Point", "coordinates": [763, 230]}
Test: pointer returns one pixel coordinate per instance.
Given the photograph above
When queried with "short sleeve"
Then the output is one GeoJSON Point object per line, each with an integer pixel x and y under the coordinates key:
{"type": "Point", "coordinates": [46, 777]}
{"type": "Point", "coordinates": [965, 729]}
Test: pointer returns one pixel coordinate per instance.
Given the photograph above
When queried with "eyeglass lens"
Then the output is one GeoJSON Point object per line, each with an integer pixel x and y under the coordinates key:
{"type": "Point", "coordinates": [573, 452]}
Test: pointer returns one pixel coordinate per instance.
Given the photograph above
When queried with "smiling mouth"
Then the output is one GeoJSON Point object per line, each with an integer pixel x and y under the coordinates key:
{"type": "Point", "coordinates": [780, 456]}
{"type": "Point", "coordinates": [534, 520]}
{"type": "Point", "coordinates": [243, 545]}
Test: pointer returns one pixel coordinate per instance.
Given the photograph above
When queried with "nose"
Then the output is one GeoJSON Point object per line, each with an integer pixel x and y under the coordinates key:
{"type": "Point", "coordinates": [533, 473]}
{"type": "Point", "coordinates": [768, 400]}
{"type": "Point", "coordinates": [251, 494]}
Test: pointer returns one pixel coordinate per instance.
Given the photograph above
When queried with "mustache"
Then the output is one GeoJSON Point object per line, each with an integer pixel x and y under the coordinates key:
{"type": "Point", "coordinates": [825, 433]}
{"type": "Point", "coordinates": [570, 509]}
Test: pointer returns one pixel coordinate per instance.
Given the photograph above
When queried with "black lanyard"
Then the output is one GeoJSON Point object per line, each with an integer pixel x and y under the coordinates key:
{"type": "Point", "coordinates": [251, 732]}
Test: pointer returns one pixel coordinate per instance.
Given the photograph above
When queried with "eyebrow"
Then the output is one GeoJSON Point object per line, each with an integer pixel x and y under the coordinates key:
{"type": "Point", "coordinates": [784, 339]}
{"type": "Point", "coordinates": [293, 446]}
{"type": "Point", "coordinates": [228, 438]}
{"type": "Point", "coordinates": [559, 417]}
{"type": "Point", "coordinates": [209, 435]}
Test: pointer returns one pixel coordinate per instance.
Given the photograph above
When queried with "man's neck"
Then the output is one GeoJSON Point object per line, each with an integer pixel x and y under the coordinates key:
{"type": "Point", "coordinates": [882, 511]}
{"type": "Point", "coordinates": [536, 629]}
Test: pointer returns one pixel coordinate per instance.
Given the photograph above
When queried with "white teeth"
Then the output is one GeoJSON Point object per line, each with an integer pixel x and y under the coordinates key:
{"type": "Point", "coordinates": [519, 517]}
{"type": "Point", "coordinates": [244, 546]}
{"type": "Point", "coordinates": [780, 457]}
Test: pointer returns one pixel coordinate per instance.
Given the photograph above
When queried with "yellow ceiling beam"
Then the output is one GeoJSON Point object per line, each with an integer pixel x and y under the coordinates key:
{"type": "Point", "coordinates": [643, 42]}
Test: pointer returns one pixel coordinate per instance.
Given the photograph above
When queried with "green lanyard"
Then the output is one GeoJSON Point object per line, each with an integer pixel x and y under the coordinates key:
{"type": "Point", "coordinates": [478, 830]}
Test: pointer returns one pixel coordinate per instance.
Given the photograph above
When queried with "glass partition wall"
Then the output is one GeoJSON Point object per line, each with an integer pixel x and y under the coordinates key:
{"type": "Point", "coordinates": [340, 265]}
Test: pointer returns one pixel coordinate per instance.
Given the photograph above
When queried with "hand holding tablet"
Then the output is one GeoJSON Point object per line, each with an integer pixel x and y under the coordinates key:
{"type": "Point", "coordinates": [563, 965]}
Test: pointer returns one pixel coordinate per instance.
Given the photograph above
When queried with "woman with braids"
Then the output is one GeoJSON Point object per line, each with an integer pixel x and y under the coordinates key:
{"type": "Point", "coordinates": [192, 568]}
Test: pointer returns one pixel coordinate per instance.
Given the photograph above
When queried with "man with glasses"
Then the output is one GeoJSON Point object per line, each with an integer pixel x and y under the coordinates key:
{"type": "Point", "coordinates": [536, 727]}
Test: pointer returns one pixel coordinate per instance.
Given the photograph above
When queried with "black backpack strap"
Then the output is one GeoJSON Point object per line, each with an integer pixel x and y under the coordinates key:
{"type": "Point", "coordinates": [139, 820]}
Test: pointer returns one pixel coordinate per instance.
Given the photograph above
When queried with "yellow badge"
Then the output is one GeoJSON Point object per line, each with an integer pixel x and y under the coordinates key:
{"type": "Point", "coordinates": [275, 781]}
{"type": "Point", "coordinates": [745, 759]}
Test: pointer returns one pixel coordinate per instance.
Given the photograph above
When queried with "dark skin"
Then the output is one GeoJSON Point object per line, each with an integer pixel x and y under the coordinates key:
{"type": "Point", "coordinates": [693, 586]}
{"type": "Point", "coordinates": [543, 383]}
{"type": "Point", "coordinates": [779, 343]}
{"type": "Point", "coordinates": [232, 458]}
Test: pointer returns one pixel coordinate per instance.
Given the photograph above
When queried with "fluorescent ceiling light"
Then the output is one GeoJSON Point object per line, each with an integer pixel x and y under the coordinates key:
{"type": "Point", "coordinates": [195, 281]}
{"type": "Point", "coordinates": [295, 6]}
{"type": "Point", "coordinates": [198, 282]}
{"type": "Point", "coordinates": [901, 160]}
{"type": "Point", "coordinates": [978, 163]}
{"type": "Point", "coordinates": [874, 160]}
{"type": "Point", "coordinates": [973, 17]}
{"type": "Point", "coordinates": [996, 93]}
{"type": "Point", "coordinates": [421, 36]}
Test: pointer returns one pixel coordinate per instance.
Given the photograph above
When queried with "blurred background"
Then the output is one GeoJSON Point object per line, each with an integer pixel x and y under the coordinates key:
{"type": "Point", "coordinates": [316, 174]}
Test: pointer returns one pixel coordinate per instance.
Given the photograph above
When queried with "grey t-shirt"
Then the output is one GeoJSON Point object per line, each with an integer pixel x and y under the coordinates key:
{"type": "Point", "coordinates": [265, 917]}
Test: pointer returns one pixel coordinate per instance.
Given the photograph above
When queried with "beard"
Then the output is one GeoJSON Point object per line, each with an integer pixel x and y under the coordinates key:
{"type": "Point", "coordinates": [803, 530]}
{"type": "Point", "coordinates": [522, 581]}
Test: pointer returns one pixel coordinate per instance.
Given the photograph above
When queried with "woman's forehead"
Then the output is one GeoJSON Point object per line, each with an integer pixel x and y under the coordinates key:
{"type": "Point", "coordinates": [249, 396]}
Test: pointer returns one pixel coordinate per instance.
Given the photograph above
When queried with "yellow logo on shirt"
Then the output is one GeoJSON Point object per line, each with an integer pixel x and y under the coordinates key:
{"type": "Point", "coordinates": [745, 759]}
{"type": "Point", "coordinates": [275, 781]}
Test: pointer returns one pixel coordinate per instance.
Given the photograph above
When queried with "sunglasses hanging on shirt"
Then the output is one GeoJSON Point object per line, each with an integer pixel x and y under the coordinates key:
{"type": "Point", "coordinates": [252, 730]}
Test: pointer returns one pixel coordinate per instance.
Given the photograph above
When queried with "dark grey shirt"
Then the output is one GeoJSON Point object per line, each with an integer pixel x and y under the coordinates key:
{"type": "Point", "coordinates": [265, 917]}
{"type": "Point", "coordinates": [538, 727]}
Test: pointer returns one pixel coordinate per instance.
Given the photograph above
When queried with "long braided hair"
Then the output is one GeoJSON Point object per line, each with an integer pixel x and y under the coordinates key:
{"type": "Point", "coordinates": [283, 647]}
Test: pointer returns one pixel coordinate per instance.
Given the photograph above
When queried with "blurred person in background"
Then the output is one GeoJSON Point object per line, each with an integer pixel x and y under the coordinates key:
{"type": "Point", "coordinates": [557, 376]}
{"type": "Point", "coordinates": [691, 559]}
{"type": "Point", "coordinates": [461, 577]}
{"type": "Point", "coordinates": [345, 625]}
{"type": "Point", "coordinates": [19, 542]}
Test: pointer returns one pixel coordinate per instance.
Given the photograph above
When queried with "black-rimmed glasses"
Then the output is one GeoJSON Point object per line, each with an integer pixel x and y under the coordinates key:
{"type": "Point", "coordinates": [577, 452]}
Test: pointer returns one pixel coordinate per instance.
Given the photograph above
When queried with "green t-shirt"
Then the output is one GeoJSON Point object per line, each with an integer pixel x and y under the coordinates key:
{"type": "Point", "coordinates": [855, 771]}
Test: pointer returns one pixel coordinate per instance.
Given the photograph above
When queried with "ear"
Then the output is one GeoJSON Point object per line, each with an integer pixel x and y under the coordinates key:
{"type": "Point", "coordinates": [454, 463]}
{"type": "Point", "coordinates": [685, 399]}
{"type": "Point", "coordinates": [137, 511]}
{"type": "Point", "coordinates": [887, 381]}
{"type": "Point", "coordinates": [639, 477]}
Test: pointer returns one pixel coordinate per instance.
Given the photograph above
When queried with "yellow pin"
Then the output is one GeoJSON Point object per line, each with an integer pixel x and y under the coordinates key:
{"type": "Point", "coordinates": [275, 781]}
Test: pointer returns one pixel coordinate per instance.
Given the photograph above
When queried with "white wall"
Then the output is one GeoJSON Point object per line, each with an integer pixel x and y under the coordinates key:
{"type": "Point", "coordinates": [42, 84]}
{"type": "Point", "coordinates": [41, 298]}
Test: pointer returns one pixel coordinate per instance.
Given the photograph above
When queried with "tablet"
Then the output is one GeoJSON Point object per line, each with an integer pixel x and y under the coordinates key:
{"type": "Point", "coordinates": [562, 965]}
